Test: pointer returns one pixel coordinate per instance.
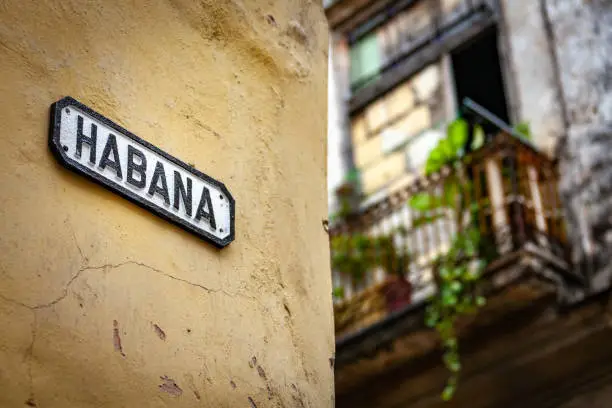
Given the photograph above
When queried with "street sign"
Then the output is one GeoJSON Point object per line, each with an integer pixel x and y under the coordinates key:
{"type": "Point", "coordinates": [90, 144]}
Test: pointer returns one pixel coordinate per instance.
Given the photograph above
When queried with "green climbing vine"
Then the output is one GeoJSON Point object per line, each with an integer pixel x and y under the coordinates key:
{"type": "Point", "coordinates": [457, 271]}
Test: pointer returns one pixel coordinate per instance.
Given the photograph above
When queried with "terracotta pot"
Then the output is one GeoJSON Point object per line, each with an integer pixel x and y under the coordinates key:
{"type": "Point", "coordinates": [345, 190]}
{"type": "Point", "coordinates": [397, 292]}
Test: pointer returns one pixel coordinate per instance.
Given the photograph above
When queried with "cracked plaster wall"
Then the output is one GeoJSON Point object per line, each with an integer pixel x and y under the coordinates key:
{"type": "Point", "coordinates": [103, 304]}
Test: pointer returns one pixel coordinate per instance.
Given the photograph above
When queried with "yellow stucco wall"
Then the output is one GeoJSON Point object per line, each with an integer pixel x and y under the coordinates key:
{"type": "Point", "coordinates": [103, 304]}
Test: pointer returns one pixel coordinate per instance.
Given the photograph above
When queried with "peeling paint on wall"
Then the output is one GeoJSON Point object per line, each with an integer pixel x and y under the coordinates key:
{"type": "Point", "coordinates": [169, 386]}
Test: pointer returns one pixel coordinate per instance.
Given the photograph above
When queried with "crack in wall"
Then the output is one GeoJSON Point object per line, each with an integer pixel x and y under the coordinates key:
{"type": "Point", "coordinates": [28, 357]}
{"type": "Point", "coordinates": [66, 288]}
{"type": "Point", "coordinates": [34, 308]}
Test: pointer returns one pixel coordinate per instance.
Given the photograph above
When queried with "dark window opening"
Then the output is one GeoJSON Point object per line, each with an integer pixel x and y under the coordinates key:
{"type": "Point", "coordinates": [478, 76]}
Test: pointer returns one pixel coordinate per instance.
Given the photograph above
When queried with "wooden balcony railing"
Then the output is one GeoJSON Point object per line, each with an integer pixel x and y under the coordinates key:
{"type": "Point", "coordinates": [516, 187]}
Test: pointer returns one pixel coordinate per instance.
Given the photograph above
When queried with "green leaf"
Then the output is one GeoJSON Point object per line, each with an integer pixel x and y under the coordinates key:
{"type": "Point", "coordinates": [479, 138]}
{"type": "Point", "coordinates": [472, 276]}
{"type": "Point", "coordinates": [448, 392]}
{"type": "Point", "coordinates": [458, 133]}
{"type": "Point", "coordinates": [435, 161]}
{"type": "Point", "coordinates": [454, 366]}
{"type": "Point", "coordinates": [481, 301]}
{"type": "Point", "coordinates": [451, 360]}
{"type": "Point", "coordinates": [437, 154]}
{"type": "Point", "coordinates": [451, 190]}
{"type": "Point", "coordinates": [431, 316]}
{"type": "Point", "coordinates": [451, 343]}
{"type": "Point", "coordinates": [448, 149]}
{"type": "Point", "coordinates": [449, 357]}
{"type": "Point", "coordinates": [339, 261]}
{"type": "Point", "coordinates": [524, 130]}
{"type": "Point", "coordinates": [432, 166]}
{"type": "Point", "coordinates": [474, 234]}
{"type": "Point", "coordinates": [425, 220]}
{"type": "Point", "coordinates": [424, 202]}
{"type": "Point", "coordinates": [456, 286]}
{"type": "Point", "coordinates": [445, 273]}
{"type": "Point", "coordinates": [338, 292]}
{"type": "Point", "coordinates": [353, 176]}
{"type": "Point", "coordinates": [361, 242]}
{"type": "Point", "coordinates": [449, 299]}
{"type": "Point", "coordinates": [472, 241]}
{"type": "Point", "coordinates": [474, 207]}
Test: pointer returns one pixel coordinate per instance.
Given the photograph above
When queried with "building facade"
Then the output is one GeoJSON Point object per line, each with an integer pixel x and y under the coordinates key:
{"type": "Point", "coordinates": [102, 303]}
{"type": "Point", "coordinates": [403, 70]}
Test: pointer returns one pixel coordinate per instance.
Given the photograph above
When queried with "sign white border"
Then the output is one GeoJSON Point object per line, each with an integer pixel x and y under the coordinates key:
{"type": "Point", "coordinates": [62, 137]}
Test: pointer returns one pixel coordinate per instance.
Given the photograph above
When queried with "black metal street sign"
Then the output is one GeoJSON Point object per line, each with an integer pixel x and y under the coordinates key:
{"type": "Point", "coordinates": [90, 144]}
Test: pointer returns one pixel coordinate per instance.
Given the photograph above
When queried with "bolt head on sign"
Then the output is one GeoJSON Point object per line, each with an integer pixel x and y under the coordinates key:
{"type": "Point", "coordinates": [93, 146]}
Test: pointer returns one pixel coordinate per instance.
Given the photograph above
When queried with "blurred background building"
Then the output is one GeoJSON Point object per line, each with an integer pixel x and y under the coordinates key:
{"type": "Point", "coordinates": [533, 77]}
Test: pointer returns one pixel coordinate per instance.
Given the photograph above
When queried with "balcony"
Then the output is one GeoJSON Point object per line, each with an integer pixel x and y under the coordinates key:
{"type": "Point", "coordinates": [520, 217]}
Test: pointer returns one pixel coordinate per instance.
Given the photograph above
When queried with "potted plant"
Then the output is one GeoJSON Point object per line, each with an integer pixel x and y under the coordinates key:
{"type": "Point", "coordinates": [397, 290]}
{"type": "Point", "coordinates": [357, 254]}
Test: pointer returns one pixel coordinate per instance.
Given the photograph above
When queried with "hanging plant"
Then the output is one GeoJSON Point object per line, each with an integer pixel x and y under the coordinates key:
{"type": "Point", "coordinates": [456, 272]}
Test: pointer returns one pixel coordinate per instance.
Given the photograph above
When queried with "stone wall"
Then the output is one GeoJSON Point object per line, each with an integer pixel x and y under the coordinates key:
{"type": "Point", "coordinates": [530, 72]}
{"type": "Point", "coordinates": [392, 136]}
{"type": "Point", "coordinates": [103, 304]}
{"type": "Point", "coordinates": [582, 34]}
